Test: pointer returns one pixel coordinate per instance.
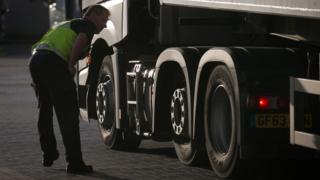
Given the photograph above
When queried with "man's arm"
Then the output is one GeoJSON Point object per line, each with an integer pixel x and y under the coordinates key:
{"type": "Point", "coordinates": [78, 46]}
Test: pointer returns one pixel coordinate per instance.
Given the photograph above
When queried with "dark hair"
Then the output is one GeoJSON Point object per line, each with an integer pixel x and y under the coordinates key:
{"type": "Point", "coordinates": [96, 8]}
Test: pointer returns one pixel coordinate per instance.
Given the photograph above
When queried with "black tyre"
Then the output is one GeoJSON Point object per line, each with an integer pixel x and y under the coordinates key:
{"type": "Point", "coordinates": [187, 150]}
{"type": "Point", "coordinates": [220, 122]}
{"type": "Point", "coordinates": [106, 111]}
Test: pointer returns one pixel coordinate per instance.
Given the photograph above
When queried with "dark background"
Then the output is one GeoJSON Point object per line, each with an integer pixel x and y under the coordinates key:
{"type": "Point", "coordinates": [25, 18]}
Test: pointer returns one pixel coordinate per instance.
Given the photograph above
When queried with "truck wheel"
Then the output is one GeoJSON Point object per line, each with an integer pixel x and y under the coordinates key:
{"type": "Point", "coordinates": [105, 107]}
{"type": "Point", "coordinates": [220, 122]}
{"type": "Point", "coordinates": [185, 148]}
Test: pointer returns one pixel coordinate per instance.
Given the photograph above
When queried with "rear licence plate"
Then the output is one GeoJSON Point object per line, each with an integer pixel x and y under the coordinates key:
{"type": "Point", "coordinates": [278, 121]}
{"type": "Point", "coordinates": [272, 121]}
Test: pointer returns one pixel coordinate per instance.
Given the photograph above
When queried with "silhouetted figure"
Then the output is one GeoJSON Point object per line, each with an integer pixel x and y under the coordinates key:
{"type": "Point", "coordinates": [52, 68]}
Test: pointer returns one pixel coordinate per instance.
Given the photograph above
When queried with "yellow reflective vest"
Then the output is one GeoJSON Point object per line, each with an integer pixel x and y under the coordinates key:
{"type": "Point", "coordinates": [59, 40]}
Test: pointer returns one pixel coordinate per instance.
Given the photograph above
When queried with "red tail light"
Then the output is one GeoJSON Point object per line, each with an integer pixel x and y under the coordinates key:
{"type": "Point", "coordinates": [263, 102]}
{"type": "Point", "coordinates": [268, 102]}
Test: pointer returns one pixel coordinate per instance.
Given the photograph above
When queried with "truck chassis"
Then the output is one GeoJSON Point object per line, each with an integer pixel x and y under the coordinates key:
{"type": "Point", "coordinates": [214, 81]}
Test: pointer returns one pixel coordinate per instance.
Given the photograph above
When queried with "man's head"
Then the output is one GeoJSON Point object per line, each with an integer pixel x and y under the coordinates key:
{"type": "Point", "coordinates": [97, 14]}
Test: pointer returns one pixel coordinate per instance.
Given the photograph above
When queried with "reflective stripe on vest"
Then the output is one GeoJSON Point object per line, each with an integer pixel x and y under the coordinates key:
{"type": "Point", "coordinates": [59, 40]}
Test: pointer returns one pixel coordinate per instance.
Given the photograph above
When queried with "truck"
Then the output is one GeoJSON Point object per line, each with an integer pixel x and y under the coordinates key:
{"type": "Point", "coordinates": [225, 80]}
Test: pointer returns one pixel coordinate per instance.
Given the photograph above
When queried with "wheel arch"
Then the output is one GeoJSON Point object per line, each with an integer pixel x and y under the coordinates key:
{"type": "Point", "coordinates": [169, 62]}
{"type": "Point", "coordinates": [113, 33]}
{"type": "Point", "coordinates": [99, 56]}
{"type": "Point", "coordinates": [209, 60]}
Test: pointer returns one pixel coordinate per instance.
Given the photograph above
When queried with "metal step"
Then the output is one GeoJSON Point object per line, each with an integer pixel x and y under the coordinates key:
{"type": "Point", "coordinates": [132, 102]}
{"type": "Point", "coordinates": [131, 74]}
{"type": "Point", "coordinates": [306, 86]}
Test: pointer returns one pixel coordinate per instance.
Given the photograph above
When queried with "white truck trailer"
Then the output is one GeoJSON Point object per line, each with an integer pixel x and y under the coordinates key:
{"type": "Point", "coordinates": [231, 80]}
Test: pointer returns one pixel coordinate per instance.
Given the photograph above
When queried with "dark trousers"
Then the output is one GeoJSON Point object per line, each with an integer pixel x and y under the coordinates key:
{"type": "Point", "coordinates": [56, 89]}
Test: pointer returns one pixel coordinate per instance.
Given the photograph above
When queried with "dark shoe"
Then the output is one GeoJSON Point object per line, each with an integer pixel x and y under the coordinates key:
{"type": "Point", "coordinates": [48, 159]}
{"type": "Point", "coordinates": [80, 168]}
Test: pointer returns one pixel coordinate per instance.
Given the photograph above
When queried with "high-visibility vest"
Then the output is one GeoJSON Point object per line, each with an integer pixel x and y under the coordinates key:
{"type": "Point", "coordinates": [59, 40]}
